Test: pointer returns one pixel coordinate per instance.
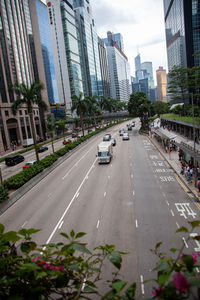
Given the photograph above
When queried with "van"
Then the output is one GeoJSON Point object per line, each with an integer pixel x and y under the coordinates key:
{"type": "Point", "coordinates": [13, 160]}
{"type": "Point", "coordinates": [107, 137]}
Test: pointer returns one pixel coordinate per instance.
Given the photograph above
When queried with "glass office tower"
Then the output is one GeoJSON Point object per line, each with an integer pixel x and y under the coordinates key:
{"type": "Point", "coordinates": [43, 25]}
{"type": "Point", "coordinates": [182, 25]}
{"type": "Point", "coordinates": [89, 47]}
{"type": "Point", "coordinates": [72, 48]}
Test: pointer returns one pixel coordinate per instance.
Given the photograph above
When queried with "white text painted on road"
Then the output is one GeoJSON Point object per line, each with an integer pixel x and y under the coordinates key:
{"type": "Point", "coordinates": [186, 245]}
{"type": "Point", "coordinates": [98, 223]}
{"type": "Point", "coordinates": [142, 284]}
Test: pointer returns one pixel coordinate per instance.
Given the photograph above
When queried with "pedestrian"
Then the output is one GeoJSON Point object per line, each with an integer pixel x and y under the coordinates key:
{"type": "Point", "coordinates": [182, 170]}
{"type": "Point", "coordinates": [198, 184]}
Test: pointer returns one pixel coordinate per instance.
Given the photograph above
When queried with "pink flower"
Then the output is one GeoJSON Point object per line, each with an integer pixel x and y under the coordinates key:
{"type": "Point", "coordinates": [35, 259]}
{"type": "Point", "coordinates": [46, 266]}
{"type": "Point", "coordinates": [41, 263]}
{"type": "Point", "coordinates": [155, 291]}
{"type": "Point", "coordinates": [180, 282]}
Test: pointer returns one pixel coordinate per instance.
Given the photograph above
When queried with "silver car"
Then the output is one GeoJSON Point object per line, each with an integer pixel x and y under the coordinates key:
{"type": "Point", "coordinates": [125, 136]}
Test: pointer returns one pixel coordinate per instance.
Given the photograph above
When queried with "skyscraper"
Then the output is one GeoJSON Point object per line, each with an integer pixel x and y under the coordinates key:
{"type": "Point", "coordinates": [119, 71]}
{"type": "Point", "coordinates": [104, 68]}
{"type": "Point", "coordinates": [137, 63]}
{"type": "Point", "coordinates": [182, 23]}
{"type": "Point", "coordinates": [116, 37]}
{"type": "Point", "coordinates": [16, 65]}
{"type": "Point", "coordinates": [59, 53]}
{"type": "Point", "coordinates": [42, 42]}
{"type": "Point", "coordinates": [89, 47]}
{"type": "Point", "coordinates": [161, 84]}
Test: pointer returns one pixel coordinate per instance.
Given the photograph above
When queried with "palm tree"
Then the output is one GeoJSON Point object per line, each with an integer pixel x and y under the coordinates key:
{"type": "Point", "coordinates": [93, 107]}
{"type": "Point", "coordinates": [50, 128]}
{"type": "Point", "coordinates": [29, 96]}
{"type": "Point", "coordinates": [80, 105]}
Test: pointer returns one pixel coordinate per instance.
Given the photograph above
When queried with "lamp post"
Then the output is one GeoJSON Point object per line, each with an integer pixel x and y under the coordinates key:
{"type": "Point", "coordinates": [1, 177]}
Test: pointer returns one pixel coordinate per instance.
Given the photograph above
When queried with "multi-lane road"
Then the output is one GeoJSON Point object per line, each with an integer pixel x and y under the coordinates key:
{"type": "Point", "coordinates": [133, 202]}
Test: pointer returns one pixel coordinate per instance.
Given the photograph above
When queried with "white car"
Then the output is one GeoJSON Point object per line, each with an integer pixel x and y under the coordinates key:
{"type": "Point", "coordinates": [125, 136]}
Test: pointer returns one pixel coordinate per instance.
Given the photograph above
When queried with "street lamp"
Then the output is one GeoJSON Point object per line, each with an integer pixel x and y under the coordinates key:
{"type": "Point", "coordinates": [1, 177]}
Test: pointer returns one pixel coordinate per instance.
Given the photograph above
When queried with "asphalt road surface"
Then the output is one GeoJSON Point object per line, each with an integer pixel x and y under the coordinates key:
{"type": "Point", "coordinates": [134, 202]}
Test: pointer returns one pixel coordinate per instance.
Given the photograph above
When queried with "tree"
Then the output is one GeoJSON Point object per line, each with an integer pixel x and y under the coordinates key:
{"type": "Point", "coordinates": [139, 106]}
{"type": "Point", "coordinates": [159, 107]}
{"type": "Point", "coordinates": [50, 128]}
{"type": "Point", "coordinates": [80, 105]}
{"type": "Point", "coordinates": [93, 109]}
{"type": "Point", "coordinates": [29, 96]}
{"type": "Point", "coordinates": [61, 125]}
{"type": "Point", "coordinates": [178, 82]}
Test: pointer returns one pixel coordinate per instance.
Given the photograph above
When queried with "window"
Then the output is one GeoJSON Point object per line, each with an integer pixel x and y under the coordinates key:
{"type": "Point", "coordinates": [20, 112]}
{"type": "Point", "coordinates": [25, 112]}
{"type": "Point", "coordinates": [6, 113]}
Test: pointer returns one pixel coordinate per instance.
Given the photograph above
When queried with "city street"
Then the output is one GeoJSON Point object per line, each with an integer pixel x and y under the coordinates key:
{"type": "Point", "coordinates": [134, 202]}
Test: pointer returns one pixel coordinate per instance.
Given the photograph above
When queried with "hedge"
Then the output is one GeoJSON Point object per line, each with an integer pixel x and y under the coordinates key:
{"type": "Point", "coordinates": [3, 193]}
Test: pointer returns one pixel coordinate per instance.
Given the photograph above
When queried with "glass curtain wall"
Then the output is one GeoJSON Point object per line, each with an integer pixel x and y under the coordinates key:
{"type": "Point", "coordinates": [72, 48]}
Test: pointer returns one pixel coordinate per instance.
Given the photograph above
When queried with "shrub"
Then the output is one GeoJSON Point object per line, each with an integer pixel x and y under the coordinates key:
{"type": "Point", "coordinates": [49, 160]}
{"type": "Point", "coordinates": [62, 151]}
{"type": "Point", "coordinates": [3, 193]}
{"type": "Point", "coordinates": [16, 181]}
{"type": "Point", "coordinates": [68, 270]}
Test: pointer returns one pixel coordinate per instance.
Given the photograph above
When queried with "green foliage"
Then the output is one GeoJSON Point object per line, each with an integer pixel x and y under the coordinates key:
{"type": "Point", "coordinates": [181, 118]}
{"type": "Point", "coordinates": [3, 193]}
{"type": "Point", "coordinates": [67, 269]}
{"type": "Point", "coordinates": [159, 108]}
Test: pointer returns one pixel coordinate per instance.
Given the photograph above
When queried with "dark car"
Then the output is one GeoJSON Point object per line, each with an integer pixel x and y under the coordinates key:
{"type": "Point", "coordinates": [42, 149]}
{"type": "Point", "coordinates": [113, 141]}
{"type": "Point", "coordinates": [13, 160]}
{"type": "Point", "coordinates": [129, 127]}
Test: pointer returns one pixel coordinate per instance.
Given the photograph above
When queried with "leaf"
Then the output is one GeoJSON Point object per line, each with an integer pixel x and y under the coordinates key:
{"type": "Point", "coordinates": [173, 250]}
{"type": "Point", "coordinates": [25, 232]}
{"type": "Point", "coordinates": [115, 259]}
{"type": "Point", "coordinates": [1, 228]}
{"type": "Point", "coordinates": [72, 233]}
{"type": "Point", "coordinates": [88, 289]}
{"type": "Point", "coordinates": [80, 234]}
{"type": "Point", "coordinates": [162, 278]}
{"type": "Point", "coordinates": [11, 236]}
{"type": "Point", "coordinates": [182, 229]}
{"type": "Point", "coordinates": [65, 235]}
{"type": "Point", "coordinates": [189, 262]}
{"type": "Point", "coordinates": [80, 248]}
{"type": "Point", "coordinates": [28, 246]}
{"type": "Point", "coordinates": [118, 285]}
{"type": "Point", "coordinates": [40, 274]}
{"type": "Point", "coordinates": [158, 245]}
{"type": "Point", "coordinates": [194, 223]}
{"type": "Point", "coordinates": [130, 292]}
{"type": "Point", "coordinates": [197, 237]}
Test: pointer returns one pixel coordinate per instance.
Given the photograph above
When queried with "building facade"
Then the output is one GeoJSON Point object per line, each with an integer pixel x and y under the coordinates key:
{"type": "Point", "coordinates": [161, 84]}
{"type": "Point", "coordinates": [119, 72]}
{"type": "Point", "coordinates": [59, 53]}
{"type": "Point", "coordinates": [117, 38]}
{"type": "Point", "coordinates": [16, 65]}
{"type": "Point", "coordinates": [182, 28]}
{"type": "Point", "coordinates": [104, 68]}
{"type": "Point", "coordinates": [89, 47]}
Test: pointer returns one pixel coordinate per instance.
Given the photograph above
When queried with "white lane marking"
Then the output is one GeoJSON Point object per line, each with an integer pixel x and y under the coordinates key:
{"type": "Point", "coordinates": [24, 223]}
{"type": "Point", "coordinates": [78, 194]}
{"type": "Point", "coordinates": [111, 165]}
{"type": "Point", "coordinates": [142, 284]}
{"type": "Point", "coordinates": [177, 225]}
{"type": "Point", "coordinates": [163, 194]}
{"type": "Point", "coordinates": [98, 224]}
{"type": "Point", "coordinates": [108, 176]}
{"type": "Point", "coordinates": [133, 193]}
{"type": "Point", "coordinates": [66, 210]}
{"type": "Point", "coordinates": [186, 245]}
{"type": "Point", "coordinates": [104, 194]}
{"type": "Point", "coordinates": [76, 164]}
{"type": "Point", "coordinates": [60, 225]}
{"type": "Point", "coordinates": [131, 175]}
{"type": "Point", "coordinates": [172, 212]}
{"type": "Point", "coordinates": [136, 223]}
{"type": "Point", "coordinates": [86, 177]}
{"type": "Point", "coordinates": [167, 202]}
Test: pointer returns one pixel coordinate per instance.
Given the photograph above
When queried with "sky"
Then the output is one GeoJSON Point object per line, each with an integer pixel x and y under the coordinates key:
{"type": "Point", "coordinates": [141, 23]}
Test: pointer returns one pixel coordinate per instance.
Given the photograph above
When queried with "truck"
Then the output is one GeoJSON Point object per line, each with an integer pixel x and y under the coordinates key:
{"type": "Point", "coordinates": [105, 152]}
{"type": "Point", "coordinates": [27, 143]}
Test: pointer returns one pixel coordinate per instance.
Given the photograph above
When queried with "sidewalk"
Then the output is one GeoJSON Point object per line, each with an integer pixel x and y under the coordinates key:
{"type": "Point", "coordinates": [173, 160]}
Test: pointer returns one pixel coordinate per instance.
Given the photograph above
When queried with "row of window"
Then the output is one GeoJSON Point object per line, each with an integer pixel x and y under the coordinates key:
{"type": "Point", "coordinates": [35, 112]}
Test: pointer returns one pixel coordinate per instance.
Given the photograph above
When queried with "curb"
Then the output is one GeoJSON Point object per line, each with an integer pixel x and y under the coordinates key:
{"type": "Point", "coordinates": [173, 168]}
